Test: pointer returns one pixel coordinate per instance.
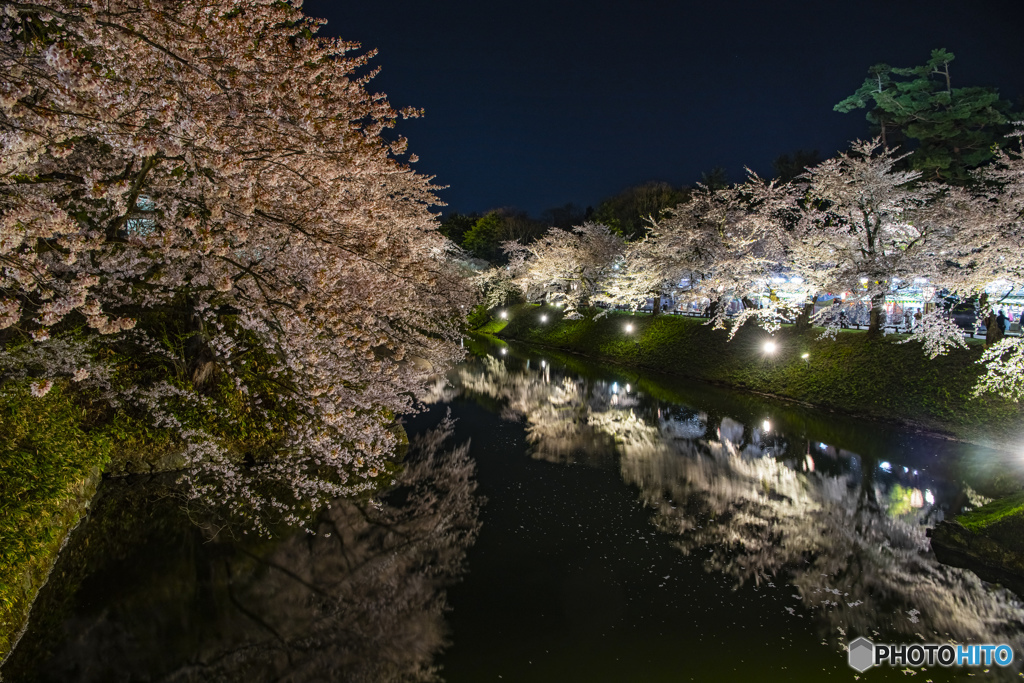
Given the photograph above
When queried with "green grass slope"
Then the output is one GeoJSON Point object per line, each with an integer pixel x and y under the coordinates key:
{"type": "Point", "coordinates": [876, 377]}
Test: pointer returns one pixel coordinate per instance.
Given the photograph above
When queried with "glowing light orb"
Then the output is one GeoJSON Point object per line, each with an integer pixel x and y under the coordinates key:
{"type": "Point", "coordinates": [806, 356]}
{"type": "Point", "coordinates": [629, 327]}
{"type": "Point", "coordinates": [769, 347]}
{"type": "Point", "coordinates": [504, 315]}
{"type": "Point", "coordinates": [543, 318]}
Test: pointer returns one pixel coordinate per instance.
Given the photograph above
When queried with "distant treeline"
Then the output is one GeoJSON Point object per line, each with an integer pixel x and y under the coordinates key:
{"type": "Point", "coordinates": [627, 213]}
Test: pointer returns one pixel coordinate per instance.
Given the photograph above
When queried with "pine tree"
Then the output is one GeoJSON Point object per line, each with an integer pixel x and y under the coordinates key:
{"type": "Point", "coordinates": [955, 129]}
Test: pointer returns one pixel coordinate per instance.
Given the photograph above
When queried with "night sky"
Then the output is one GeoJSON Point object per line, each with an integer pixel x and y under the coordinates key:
{"type": "Point", "coordinates": [534, 104]}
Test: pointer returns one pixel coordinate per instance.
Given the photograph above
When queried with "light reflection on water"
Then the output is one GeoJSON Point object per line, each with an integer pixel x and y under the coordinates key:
{"type": "Point", "coordinates": [764, 502]}
{"type": "Point", "coordinates": [142, 594]}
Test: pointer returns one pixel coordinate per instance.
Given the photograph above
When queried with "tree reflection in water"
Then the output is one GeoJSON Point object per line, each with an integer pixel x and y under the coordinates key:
{"type": "Point", "coordinates": [847, 547]}
{"type": "Point", "coordinates": [361, 600]}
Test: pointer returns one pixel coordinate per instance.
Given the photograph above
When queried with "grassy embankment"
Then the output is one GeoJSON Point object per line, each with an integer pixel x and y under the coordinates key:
{"type": "Point", "coordinates": [988, 541]}
{"type": "Point", "coordinates": [855, 374]}
{"type": "Point", "coordinates": [49, 468]}
{"type": "Point", "coordinates": [1002, 520]}
{"type": "Point", "coordinates": [54, 449]}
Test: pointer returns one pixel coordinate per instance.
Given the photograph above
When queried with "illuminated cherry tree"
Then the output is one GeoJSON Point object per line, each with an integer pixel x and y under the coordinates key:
{"type": "Point", "coordinates": [866, 226]}
{"type": "Point", "coordinates": [208, 186]}
{"type": "Point", "coordinates": [570, 266]}
{"type": "Point", "coordinates": [716, 246]}
{"type": "Point", "coordinates": [989, 252]}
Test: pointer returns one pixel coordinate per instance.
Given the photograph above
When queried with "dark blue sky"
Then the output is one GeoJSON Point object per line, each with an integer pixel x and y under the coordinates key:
{"type": "Point", "coordinates": [533, 104]}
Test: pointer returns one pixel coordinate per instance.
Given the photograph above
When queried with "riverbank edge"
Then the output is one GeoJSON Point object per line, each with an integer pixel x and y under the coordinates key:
{"type": "Point", "coordinates": [880, 379]}
{"type": "Point", "coordinates": [36, 572]}
{"type": "Point", "coordinates": [988, 541]}
{"type": "Point", "coordinates": [75, 504]}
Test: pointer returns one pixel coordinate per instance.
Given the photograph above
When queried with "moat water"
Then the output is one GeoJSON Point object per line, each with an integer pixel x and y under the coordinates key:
{"type": "Point", "coordinates": [578, 523]}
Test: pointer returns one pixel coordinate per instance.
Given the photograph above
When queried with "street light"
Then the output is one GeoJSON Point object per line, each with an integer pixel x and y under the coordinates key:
{"type": "Point", "coordinates": [769, 347]}
{"type": "Point", "coordinates": [543, 318]}
{"type": "Point", "coordinates": [629, 327]}
{"type": "Point", "coordinates": [503, 315]}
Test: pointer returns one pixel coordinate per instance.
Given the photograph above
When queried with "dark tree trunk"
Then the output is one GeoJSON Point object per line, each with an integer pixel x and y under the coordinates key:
{"type": "Point", "coordinates": [877, 311]}
{"type": "Point", "coordinates": [993, 331]}
{"type": "Point", "coordinates": [657, 305]}
{"type": "Point", "coordinates": [803, 321]}
{"type": "Point", "coordinates": [200, 359]}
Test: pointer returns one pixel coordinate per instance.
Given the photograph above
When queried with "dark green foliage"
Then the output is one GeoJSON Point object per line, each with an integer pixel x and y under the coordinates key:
{"type": "Point", "coordinates": [478, 317]}
{"type": "Point", "coordinates": [456, 225]}
{"type": "Point", "coordinates": [788, 167]}
{"type": "Point", "coordinates": [566, 217]}
{"type": "Point", "coordinates": [486, 236]}
{"type": "Point", "coordinates": [52, 449]}
{"type": "Point", "coordinates": [955, 129]}
{"type": "Point", "coordinates": [855, 373]}
{"type": "Point", "coordinates": [715, 179]}
{"type": "Point", "coordinates": [227, 412]}
{"type": "Point", "coordinates": [627, 213]}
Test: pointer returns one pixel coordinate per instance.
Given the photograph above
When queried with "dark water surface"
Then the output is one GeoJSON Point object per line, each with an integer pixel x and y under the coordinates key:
{"type": "Point", "coordinates": [635, 529]}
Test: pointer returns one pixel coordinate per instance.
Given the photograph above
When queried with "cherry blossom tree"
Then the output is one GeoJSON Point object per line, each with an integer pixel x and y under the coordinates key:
{"type": "Point", "coordinates": [715, 246]}
{"type": "Point", "coordinates": [498, 288]}
{"type": "Point", "coordinates": [989, 251]}
{"type": "Point", "coordinates": [207, 189]}
{"type": "Point", "coordinates": [570, 265]}
{"type": "Point", "coordinates": [865, 226]}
